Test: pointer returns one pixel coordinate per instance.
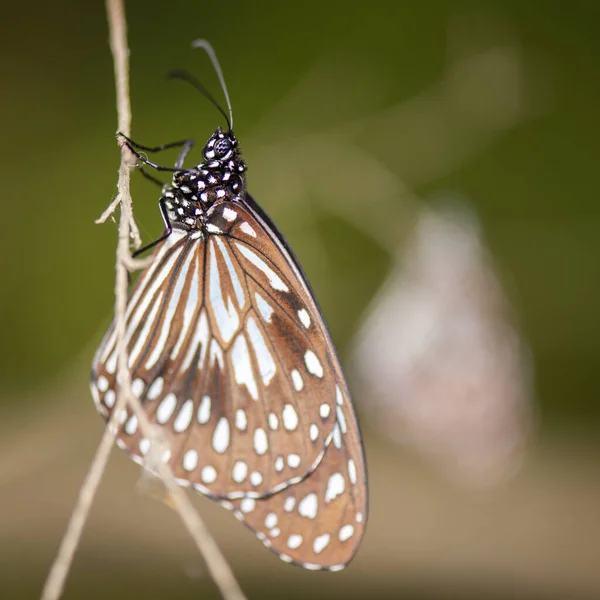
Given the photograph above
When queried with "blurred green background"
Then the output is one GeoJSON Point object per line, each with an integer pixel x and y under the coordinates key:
{"type": "Point", "coordinates": [495, 99]}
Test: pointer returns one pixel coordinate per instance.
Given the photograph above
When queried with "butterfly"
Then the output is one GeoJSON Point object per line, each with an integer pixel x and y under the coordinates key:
{"type": "Point", "coordinates": [230, 356]}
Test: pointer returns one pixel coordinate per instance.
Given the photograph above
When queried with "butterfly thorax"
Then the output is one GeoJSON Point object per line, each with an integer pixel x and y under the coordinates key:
{"type": "Point", "coordinates": [219, 177]}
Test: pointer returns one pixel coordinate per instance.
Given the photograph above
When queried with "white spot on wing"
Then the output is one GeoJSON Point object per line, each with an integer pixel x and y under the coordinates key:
{"type": "Point", "coordinates": [241, 421]}
{"type": "Point", "coordinates": [279, 464]}
{"type": "Point", "coordinates": [209, 474]}
{"type": "Point", "coordinates": [229, 214]}
{"type": "Point", "coordinates": [111, 363]}
{"type": "Point", "coordinates": [165, 409]}
{"type": "Point", "coordinates": [307, 507]}
{"type": "Point", "coordinates": [242, 367]}
{"type": "Point", "coordinates": [144, 445]}
{"type": "Point", "coordinates": [352, 471]}
{"type": "Point", "coordinates": [266, 364]}
{"type": "Point", "coordinates": [324, 410]}
{"type": "Point", "coordinates": [289, 503]}
{"type": "Point", "coordinates": [155, 390]}
{"type": "Point", "coordinates": [273, 421]}
{"type": "Point", "coordinates": [237, 286]}
{"type": "Point", "coordinates": [313, 432]}
{"type": "Point", "coordinates": [297, 380]}
{"type": "Point", "coordinates": [227, 317]}
{"type": "Point", "coordinates": [293, 460]}
{"type": "Point", "coordinates": [240, 471]}
{"type": "Point", "coordinates": [321, 542]}
{"type": "Point", "coordinates": [204, 410]}
{"type": "Point", "coordinates": [184, 418]}
{"type": "Point", "coordinates": [294, 541]}
{"type": "Point", "coordinates": [109, 398]}
{"type": "Point", "coordinates": [247, 228]}
{"type": "Point", "coordinates": [190, 460]}
{"type": "Point", "coordinates": [290, 418]}
{"type": "Point", "coordinates": [131, 425]}
{"type": "Point", "coordinates": [271, 520]}
{"type": "Point", "coordinates": [335, 487]}
{"type": "Point", "coordinates": [260, 441]}
{"type": "Point", "coordinates": [264, 308]}
{"type": "Point", "coordinates": [274, 280]}
{"type": "Point", "coordinates": [255, 478]}
{"type": "Point", "coordinates": [337, 436]}
{"type": "Point", "coordinates": [102, 383]}
{"type": "Point", "coordinates": [221, 436]}
{"type": "Point", "coordinates": [247, 505]}
{"type": "Point", "coordinates": [159, 345]}
{"type": "Point", "coordinates": [137, 388]}
{"type": "Point", "coordinates": [304, 317]}
{"type": "Point", "coordinates": [346, 532]}
{"type": "Point", "coordinates": [212, 228]}
{"type": "Point", "coordinates": [313, 365]}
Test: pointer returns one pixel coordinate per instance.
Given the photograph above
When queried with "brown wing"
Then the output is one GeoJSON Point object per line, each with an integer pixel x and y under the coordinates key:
{"type": "Point", "coordinates": [228, 357]}
{"type": "Point", "coordinates": [319, 522]}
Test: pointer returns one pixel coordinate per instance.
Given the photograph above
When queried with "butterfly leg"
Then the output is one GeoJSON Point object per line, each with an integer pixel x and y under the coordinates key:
{"type": "Point", "coordinates": [187, 143]}
{"type": "Point", "coordinates": [149, 177]}
{"type": "Point", "coordinates": [169, 229]}
{"type": "Point", "coordinates": [187, 146]}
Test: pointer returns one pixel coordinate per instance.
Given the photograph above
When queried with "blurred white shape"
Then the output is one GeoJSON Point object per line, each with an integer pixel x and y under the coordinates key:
{"type": "Point", "coordinates": [438, 362]}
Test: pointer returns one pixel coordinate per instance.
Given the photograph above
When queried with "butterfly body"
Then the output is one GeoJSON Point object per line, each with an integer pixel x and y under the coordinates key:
{"type": "Point", "coordinates": [230, 356]}
{"type": "Point", "coordinates": [219, 178]}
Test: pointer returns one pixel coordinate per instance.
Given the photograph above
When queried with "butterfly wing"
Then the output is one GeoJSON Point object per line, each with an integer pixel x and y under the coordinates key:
{"type": "Point", "coordinates": [227, 354]}
{"type": "Point", "coordinates": [319, 522]}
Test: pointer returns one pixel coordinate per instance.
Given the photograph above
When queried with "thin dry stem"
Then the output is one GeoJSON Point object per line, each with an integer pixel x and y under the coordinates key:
{"type": "Point", "coordinates": [134, 264]}
{"type": "Point", "coordinates": [108, 211]}
{"type": "Point", "coordinates": [217, 565]}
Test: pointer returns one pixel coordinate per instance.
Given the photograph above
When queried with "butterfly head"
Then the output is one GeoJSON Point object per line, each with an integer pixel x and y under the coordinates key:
{"type": "Point", "coordinates": [221, 146]}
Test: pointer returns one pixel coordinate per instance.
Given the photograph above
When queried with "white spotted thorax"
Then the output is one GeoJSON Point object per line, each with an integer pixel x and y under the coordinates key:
{"type": "Point", "coordinates": [230, 357]}
{"type": "Point", "coordinates": [220, 177]}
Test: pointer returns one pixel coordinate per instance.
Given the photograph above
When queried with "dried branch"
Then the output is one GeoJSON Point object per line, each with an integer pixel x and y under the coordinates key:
{"type": "Point", "coordinates": [217, 565]}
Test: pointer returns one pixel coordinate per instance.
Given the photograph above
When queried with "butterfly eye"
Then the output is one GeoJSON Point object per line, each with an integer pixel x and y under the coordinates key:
{"type": "Point", "coordinates": [222, 147]}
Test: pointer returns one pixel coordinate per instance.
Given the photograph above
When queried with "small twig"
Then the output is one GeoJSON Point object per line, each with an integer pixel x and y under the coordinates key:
{"type": "Point", "coordinates": [123, 103]}
{"type": "Point", "coordinates": [134, 264]}
{"type": "Point", "coordinates": [108, 211]}
{"type": "Point", "coordinates": [217, 565]}
{"type": "Point", "coordinates": [55, 583]}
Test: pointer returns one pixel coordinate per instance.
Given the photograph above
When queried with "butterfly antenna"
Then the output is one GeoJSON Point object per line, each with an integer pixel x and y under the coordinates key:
{"type": "Point", "coordinates": [205, 45]}
{"type": "Point", "coordinates": [185, 76]}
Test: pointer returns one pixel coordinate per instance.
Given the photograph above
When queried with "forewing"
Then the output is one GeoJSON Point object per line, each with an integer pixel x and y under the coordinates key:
{"type": "Point", "coordinates": [271, 406]}
{"type": "Point", "coordinates": [229, 354]}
